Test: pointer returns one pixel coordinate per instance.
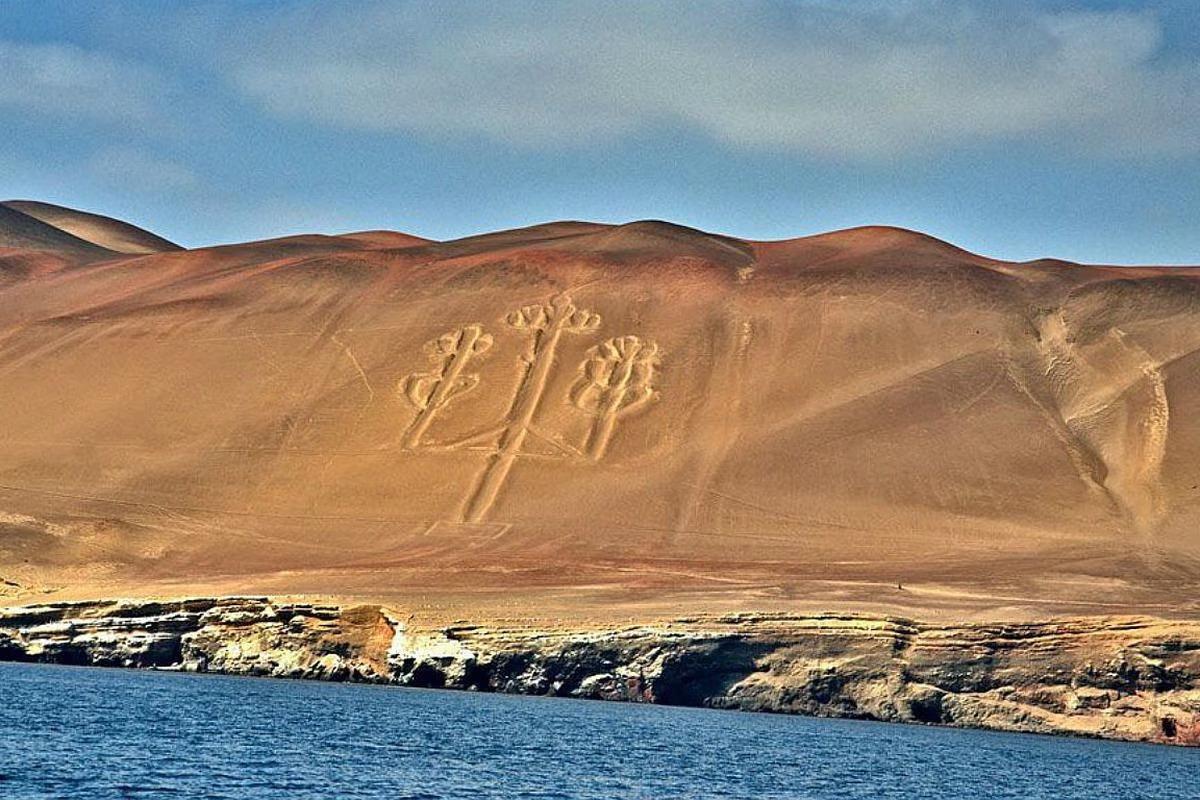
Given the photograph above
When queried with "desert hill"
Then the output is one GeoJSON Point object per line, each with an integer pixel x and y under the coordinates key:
{"type": "Point", "coordinates": [23, 232]}
{"type": "Point", "coordinates": [110, 234]}
{"type": "Point", "coordinates": [591, 418]}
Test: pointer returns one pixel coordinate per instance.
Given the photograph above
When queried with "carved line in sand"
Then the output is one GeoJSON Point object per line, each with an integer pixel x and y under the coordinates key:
{"type": "Point", "coordinates": [548, 322]}
{"type": "Point", "coordinates": [615, 379]}
{"type": "Point", "coordinates": [431, 391]}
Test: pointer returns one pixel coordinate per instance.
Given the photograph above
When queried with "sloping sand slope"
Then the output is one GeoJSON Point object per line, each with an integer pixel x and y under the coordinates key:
{"type": "Point", "coordinates": [21, 231]}
{"type": "Point", "coordinates": [111, 234]}
{"type": "Point", "coordinates": [606, 420]}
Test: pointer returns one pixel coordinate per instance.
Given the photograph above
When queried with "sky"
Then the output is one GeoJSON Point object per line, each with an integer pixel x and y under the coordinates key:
{"type": "Point", "coordinates": [1015, 128]}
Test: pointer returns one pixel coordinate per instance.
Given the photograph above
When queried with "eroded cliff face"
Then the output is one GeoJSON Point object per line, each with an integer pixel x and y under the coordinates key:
{"type": "Point", "coordinates": [1131, 678]}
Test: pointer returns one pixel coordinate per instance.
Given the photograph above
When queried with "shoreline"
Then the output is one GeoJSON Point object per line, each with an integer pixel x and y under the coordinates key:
{"type": "Point", "coordinates": [1129, 678]}
{"type": "Point", "coordinates": [87, 668]}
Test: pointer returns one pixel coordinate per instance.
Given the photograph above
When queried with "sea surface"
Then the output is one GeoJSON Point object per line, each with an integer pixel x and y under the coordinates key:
{"type": "Point", "coordinates": [68, 732]}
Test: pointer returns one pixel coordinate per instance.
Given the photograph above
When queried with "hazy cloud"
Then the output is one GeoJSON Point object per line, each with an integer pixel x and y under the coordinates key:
{"type": "Point", "coordinates": [850, 79]}
{"type": "Point", "coordinates": [68, 82]}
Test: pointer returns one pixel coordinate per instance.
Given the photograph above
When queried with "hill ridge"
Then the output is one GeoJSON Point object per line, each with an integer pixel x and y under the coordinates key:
{"type": "Point", "coordinates": [105, 232]}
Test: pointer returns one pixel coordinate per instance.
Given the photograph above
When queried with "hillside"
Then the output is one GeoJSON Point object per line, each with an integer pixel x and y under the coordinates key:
{"type": "Point", "coordinates": [598, 420]}
{"type": "Point", "coordinates": [106, 232]}
{"type": "Point", "coordinates": [19, 231]}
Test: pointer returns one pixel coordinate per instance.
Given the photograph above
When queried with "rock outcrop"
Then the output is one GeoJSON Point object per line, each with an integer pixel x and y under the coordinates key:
{"type": "Point", "coordinates": [1131, 678]}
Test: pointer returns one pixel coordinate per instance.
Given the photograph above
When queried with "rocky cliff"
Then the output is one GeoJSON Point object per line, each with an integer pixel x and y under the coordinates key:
{"type": "Point", "coordinates": [1132, 678]}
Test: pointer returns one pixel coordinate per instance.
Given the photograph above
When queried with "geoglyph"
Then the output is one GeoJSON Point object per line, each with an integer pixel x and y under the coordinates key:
{"type": "Point", "coordinates": [615, 379]}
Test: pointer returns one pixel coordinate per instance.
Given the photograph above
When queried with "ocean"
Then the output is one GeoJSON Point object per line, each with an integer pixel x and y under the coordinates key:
{"type": "Point", "coordinates": [69, 732]}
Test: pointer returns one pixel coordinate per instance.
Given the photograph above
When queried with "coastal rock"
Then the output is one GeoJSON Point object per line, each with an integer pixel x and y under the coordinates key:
{"type": "Point", "coordinates": [1130, 678]}
{"type": "Point", "coordinates": [432, 660]}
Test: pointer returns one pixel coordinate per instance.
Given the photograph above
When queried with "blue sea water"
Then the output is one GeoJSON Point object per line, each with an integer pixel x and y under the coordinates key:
{"type": "Point", "coordinates": [94, 733]}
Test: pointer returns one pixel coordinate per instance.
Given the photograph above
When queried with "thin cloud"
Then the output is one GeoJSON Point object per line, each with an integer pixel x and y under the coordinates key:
{"type": "Point", "coordinates": [64, 81]}
{"type": "Point", "coordinates": [841, 80]}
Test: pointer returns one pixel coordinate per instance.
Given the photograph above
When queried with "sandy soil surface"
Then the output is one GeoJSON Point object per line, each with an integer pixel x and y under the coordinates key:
{"type": "Point", "coordinates": [590, 422]}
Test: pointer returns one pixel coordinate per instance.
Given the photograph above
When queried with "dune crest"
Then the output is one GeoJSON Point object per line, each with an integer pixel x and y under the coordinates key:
{"type": "Point", "coordinates": [104, 232]}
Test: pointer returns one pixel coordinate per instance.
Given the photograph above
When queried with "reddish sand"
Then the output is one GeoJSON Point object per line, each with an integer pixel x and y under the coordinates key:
{"type": "Point", "coordinates": [598, 421]}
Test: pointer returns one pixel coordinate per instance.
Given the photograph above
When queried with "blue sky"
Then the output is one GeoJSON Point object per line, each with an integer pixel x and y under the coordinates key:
{"type": "Point", "coordinates": [1017, 129]}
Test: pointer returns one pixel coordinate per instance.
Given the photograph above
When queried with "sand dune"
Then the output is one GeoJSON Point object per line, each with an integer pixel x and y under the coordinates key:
{"type": "Point", "coordinates": [21, 231]}
{"type": "Point", "coordinates": [605, 419]}
{"type": "Point", "coordinates": [111, 234]}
